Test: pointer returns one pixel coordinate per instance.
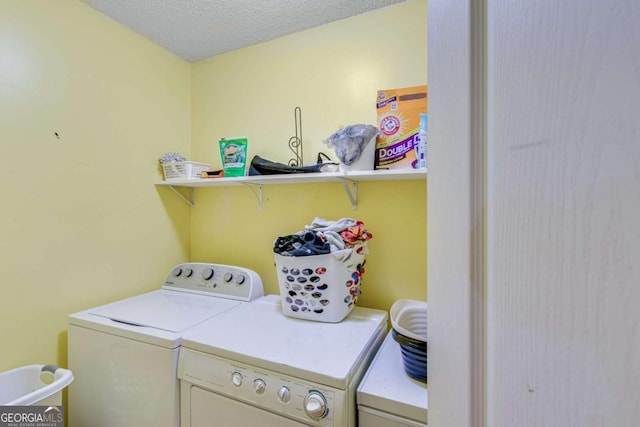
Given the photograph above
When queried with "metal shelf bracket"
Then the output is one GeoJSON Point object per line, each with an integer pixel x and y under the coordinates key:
{"type": "Point", "coordinates": [257, 193]}
{"type": "Point", "coordinates": [190, 201]}
{"type": "Point", "coordinates": [351, 188]}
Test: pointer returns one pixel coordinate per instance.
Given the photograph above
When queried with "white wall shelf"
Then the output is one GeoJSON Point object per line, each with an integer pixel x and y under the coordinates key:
{"type": "Point", "coordinates": [348, 180]}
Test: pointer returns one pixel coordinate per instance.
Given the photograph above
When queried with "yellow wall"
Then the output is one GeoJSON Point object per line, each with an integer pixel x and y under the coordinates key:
{"type": "Point", "coordinates": [333, 73]}
{"type": "Point", "coordinates": [81, 222]}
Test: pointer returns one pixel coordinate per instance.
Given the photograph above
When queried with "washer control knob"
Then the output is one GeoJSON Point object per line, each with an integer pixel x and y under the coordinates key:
{"type": "Point", "coordinates": [259, 386]}
{"type": "Point", "coordinates": [236, 379]}
{"type": "Point", "coordinates": [177, 272]}
{"type": "Point", "coordinates": [207, 273]}
{"type": "Point", "coordinates": [240, 279]}
{"type": "Point", "coordinates": [188, 272]}
{"type": "Point", "coordinates": [284, 394]}
{"type": "Point", "coordinates": [315, 405]}
{"type": "Point", "coordinates": [228, 277]}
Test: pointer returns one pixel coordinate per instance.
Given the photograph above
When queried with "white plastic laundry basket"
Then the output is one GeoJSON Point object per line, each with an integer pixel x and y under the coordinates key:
{"type": "Point", "coordinates": [184, 170]}
{"type": "Point", "coordinates": [319, 287]}
{"type": "Point", "coordinates": [34, 385]}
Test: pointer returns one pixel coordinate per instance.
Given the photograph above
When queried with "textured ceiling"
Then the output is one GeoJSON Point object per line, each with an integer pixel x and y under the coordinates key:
{"type": "Point", "coordinates": [198, 29]}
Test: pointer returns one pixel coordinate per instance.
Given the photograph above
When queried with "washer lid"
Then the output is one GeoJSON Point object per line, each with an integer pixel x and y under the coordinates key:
{"type": "Point", "coordinates": [166, 310]}
{"type": "Point", "coordinates": [259, 334]}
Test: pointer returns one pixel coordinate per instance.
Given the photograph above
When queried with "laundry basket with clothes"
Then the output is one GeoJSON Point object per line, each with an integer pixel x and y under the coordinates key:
{"type": "Point", "coordinates": [320, 269]}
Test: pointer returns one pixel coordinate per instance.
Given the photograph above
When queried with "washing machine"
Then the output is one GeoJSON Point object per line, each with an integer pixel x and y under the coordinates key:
{"type": "Point", "coordinates": [273, 370]}
{"type": "Point", "coordinates": [124, 355]}
{"type": "Point", "coordinates": [387, 396]}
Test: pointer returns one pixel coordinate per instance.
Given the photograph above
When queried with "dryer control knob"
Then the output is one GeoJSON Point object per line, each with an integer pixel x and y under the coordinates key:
{"type": "Point", "coordinates": [177, 272]}
{"type": "Point", "coordinates": [236, 379]}
{"type": "Point", "coordinates": [228, 277]}
{"type": "Point", "coordinates": [207, 273]}
{"type": "Point", "coordinates": [284, 394]}
{"type": "Point", "coordinates": [240, 279]}
{"type": "Point", "coordinates": [315, 405]}
{"type": "Point", "coordinates": [259, 386]}
{"type": "Point", "coordinates": [188, 272]}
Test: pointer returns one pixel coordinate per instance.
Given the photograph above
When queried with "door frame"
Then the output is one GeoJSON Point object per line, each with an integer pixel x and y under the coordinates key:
{"type": "Point", "coordinates": [457, 212]}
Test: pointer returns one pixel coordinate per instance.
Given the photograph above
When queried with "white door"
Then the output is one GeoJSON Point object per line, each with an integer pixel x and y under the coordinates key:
{"type": "Point", "coordinates": [534, 275]}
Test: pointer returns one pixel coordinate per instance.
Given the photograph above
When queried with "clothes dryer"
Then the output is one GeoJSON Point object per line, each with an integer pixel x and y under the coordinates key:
{"type": "Point", "coordinates": [276, 371]}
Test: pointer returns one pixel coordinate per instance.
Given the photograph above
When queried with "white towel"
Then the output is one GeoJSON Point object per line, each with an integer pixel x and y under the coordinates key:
{"type": "Point", "coordinates": [320, 224]}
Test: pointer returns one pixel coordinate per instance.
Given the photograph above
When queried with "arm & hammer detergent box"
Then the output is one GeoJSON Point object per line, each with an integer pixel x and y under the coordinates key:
{"type": "Point", "coordinates": [399, 123]}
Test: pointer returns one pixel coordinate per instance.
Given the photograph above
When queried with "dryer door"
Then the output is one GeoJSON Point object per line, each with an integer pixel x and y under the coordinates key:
{"type": "Point", "coordinates": [213, 410]}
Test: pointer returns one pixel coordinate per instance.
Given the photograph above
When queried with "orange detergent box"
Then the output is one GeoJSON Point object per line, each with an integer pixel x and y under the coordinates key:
{"type": "Point", "coordinates": [399, 122]}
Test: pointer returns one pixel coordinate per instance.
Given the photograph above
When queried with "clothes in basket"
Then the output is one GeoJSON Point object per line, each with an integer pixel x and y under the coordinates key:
{"type": "Point", "coordinates": [320, 269]}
